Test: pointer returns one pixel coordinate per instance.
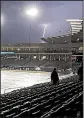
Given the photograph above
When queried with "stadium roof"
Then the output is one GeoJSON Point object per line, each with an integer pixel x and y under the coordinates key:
{"type": "Point", "coordinates": [59, 39]}
{"type": "Point", "coordinates": [76, 25]}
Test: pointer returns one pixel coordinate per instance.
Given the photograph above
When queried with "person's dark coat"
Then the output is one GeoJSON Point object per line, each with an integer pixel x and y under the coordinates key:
{"type": "Point", "coordinates": [80, 73]}
{"type": "Point", "coordinates": [54, 77]}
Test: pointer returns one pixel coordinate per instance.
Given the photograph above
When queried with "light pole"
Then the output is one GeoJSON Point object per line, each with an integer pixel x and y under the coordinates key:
{"type": "Point", "coordinates": [70, 41]}
{"type": "Point", "coordinates": [2, 19]}
{"type": "Point", "coordinates": [32, 12]}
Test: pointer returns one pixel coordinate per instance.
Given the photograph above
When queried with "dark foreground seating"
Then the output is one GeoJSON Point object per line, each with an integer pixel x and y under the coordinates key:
{"type": "Point", "coordinates": [45, 101]}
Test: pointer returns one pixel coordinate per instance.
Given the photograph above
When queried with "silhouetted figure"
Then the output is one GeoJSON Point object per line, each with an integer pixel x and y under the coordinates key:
{"type": "Point", "coordinates": [54, 77]}
{"type": "Point", "coordinates": [80, 73]}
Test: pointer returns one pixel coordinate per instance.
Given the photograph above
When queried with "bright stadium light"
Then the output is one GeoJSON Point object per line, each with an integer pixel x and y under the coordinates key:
{"type": "Point", "coordinates": [32, 12]}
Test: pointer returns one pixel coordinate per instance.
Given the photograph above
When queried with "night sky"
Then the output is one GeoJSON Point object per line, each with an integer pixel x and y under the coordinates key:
{"type": "Point", "coordinates": [16, 24]}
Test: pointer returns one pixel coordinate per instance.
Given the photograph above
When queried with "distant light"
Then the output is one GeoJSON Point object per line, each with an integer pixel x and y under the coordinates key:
{"type": "Point", "coordinates": [81, 48]}
{"type": "Point", "coordinates": [78, 39]}
{"type": "Point", "coordinates": [32, 12]}
{"type": "Point", "coordinates": [18, 49]}
{"type": "Point", "coordinates": [37, 68]}
{"type": "Point", "coordinates": [34, 57]}
{"type": "Point", "coordinates": [44, 57]}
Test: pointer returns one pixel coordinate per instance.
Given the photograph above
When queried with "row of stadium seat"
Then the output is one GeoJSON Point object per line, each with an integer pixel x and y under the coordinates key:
{"type": "Point", "coordinates": [69, 109]}
{"type": "Point", "coordinates": [25, 91]}
{"type": "Point", "coordinates": [22, 62]}
{"type": "Point", "coordinates": [11, 98]}
{"type": "Point", "coordinates": [57, 94]}
{"type": "Point", "coordinates": [62, 110]}
{"type": "Point", "coordinates": [34, 63]}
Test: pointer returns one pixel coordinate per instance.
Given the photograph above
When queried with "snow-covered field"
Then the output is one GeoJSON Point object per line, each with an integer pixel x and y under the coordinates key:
{"type": "Point", "coordinates": [13, 79]}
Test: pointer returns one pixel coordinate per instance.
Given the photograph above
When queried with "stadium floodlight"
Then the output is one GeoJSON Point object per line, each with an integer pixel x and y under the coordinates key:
{"type": "Point", "coordinates": [32, 12]}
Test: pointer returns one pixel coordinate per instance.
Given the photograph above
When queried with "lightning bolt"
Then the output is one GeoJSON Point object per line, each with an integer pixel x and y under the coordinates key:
{"type": "Point", "coordinates": [45, 26]}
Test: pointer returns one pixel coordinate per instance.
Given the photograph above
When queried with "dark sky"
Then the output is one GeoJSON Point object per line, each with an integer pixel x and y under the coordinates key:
{"type": "Point", "coordinates": [16, 24]}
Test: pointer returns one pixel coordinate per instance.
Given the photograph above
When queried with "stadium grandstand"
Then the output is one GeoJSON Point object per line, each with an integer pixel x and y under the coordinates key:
{"type": "Point", "coordinates": [46, 100]}
{"type": "Point", "coordinates": [67, 49]}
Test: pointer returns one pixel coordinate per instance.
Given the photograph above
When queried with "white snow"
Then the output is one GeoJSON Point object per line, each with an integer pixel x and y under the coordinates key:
{"type": "Point", "coordinates": [13, 79]}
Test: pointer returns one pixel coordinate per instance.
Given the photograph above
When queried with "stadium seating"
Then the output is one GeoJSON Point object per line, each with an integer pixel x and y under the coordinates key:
{"type": "Point", "coordinates": [44, 100]}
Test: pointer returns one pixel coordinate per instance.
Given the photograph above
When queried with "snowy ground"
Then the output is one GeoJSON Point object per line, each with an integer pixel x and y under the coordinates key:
{"type": "Point", "coordinates": [13, 79]}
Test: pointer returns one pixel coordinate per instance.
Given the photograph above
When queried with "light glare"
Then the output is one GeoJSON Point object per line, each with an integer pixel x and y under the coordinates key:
{"type": "Point", "coordinates": [32, 12]}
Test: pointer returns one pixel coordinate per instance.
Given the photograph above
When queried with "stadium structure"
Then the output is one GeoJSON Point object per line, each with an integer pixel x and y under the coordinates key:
{"type": "Point", "coordinates": [61, 52]}
{"type": "Point", "coordinates": [46, 100]}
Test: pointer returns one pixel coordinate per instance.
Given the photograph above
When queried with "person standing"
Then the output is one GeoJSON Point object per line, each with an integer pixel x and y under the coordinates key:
{"type": "Point", "coordinates": [54, 77]}
{"type": "Point", "coordinates": [80, 73]}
